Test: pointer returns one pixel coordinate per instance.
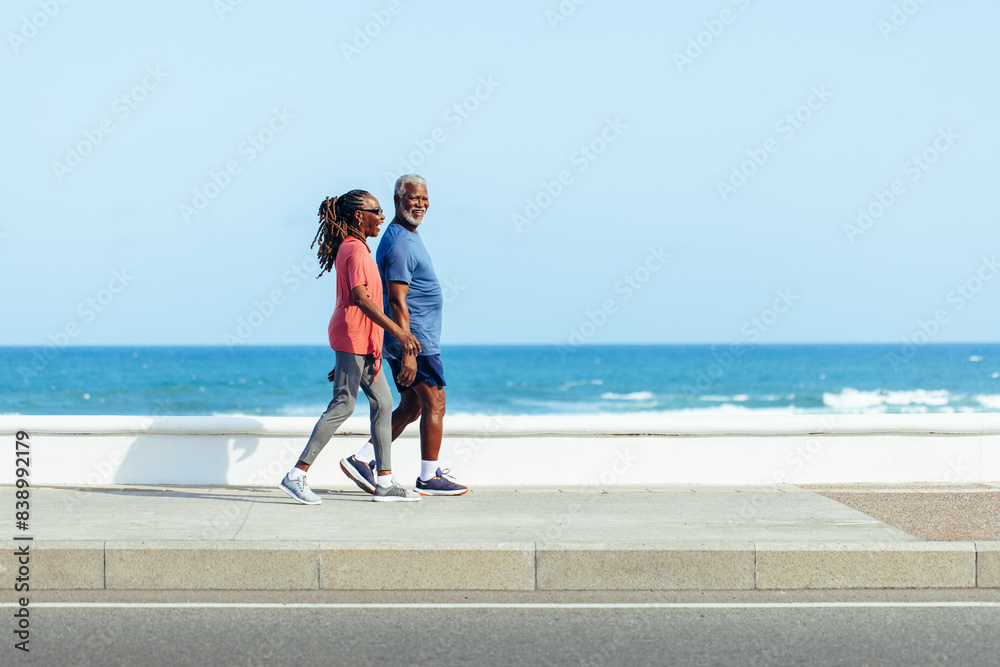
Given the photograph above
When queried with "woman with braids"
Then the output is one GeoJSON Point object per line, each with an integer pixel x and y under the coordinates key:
{"type": "Point", "coordinates": [355, 331]}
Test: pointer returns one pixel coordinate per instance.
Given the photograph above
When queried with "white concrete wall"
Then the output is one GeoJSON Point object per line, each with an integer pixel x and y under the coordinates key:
{"type": "Point", "coordinates": [626, 450]}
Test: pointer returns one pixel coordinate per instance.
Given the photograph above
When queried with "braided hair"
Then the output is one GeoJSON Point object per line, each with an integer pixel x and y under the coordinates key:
{"type": "Point", "coordinates": [336, 224]}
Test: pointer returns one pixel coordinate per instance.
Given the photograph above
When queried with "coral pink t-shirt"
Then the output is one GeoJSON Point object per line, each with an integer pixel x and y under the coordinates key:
{"type": "Point", "coordinates": [350, 329]}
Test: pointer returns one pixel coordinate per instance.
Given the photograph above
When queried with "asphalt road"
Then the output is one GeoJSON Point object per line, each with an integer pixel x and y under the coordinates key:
{"type": "Point", "coordinates": [754, 630]}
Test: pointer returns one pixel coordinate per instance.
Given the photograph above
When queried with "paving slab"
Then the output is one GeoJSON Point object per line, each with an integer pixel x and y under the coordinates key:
{"type": "Point", "coordinates": [429, 566]}
{"type": "Point", "coordinates": [650, 567]}
{"type": "Point", "coordinates": [988, 564]}
{"type": "Point", "coordinates": [214, 565]}
{"type": "Point", "coordinates": [858, 565]}
{"type": "Point", "coordinates": [53, 564]}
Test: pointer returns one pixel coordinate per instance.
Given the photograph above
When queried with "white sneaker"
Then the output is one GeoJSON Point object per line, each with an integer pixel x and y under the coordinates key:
{"type": "Point", "coordinates": [298, 489]}
{"type": "Point", "coordinates": [394, 493]}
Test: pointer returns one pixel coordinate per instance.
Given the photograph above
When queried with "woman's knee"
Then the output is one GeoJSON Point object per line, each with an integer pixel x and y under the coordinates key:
{"type": "Point", "coordinates": [380, 398]}
{"type": "Point", "coordinates": [343, 402]}
{"type": "Point", "coordinates": [381, 405]}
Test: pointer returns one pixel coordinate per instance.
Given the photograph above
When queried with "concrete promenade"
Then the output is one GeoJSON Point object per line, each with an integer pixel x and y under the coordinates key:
{"type": "Point", "coordinates": [499, 539]}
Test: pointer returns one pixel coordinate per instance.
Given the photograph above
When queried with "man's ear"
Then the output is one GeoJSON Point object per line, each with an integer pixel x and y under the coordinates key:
{"type": "Point", "coordinates": [396, 200]}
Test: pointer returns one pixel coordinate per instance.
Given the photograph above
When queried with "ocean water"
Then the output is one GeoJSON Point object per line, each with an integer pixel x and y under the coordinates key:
{"type": "Point", "coordinates": [514, 380]}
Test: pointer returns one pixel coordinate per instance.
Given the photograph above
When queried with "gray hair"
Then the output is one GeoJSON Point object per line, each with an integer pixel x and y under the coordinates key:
{"type": "Point", "coordinates": [406, 179]}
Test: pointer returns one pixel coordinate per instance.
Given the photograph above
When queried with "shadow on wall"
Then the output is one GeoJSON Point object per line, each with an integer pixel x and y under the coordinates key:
{"type": "Point", "coordinates": [190, 459]}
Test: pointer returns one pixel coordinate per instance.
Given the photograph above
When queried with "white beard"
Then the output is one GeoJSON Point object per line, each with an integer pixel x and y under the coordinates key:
{"type": "Point", "coordinates": [410, 219]}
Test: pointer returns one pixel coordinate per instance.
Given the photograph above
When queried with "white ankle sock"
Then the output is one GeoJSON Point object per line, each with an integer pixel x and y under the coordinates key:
{"type": "Point", "coordinates": [427, 469]}
{"type": "Point", "coordinates": [366, 453]}
{"type": "Point", "coordinates": [384, 480]}
{"type": "Point", "coordinates": [295, 473]}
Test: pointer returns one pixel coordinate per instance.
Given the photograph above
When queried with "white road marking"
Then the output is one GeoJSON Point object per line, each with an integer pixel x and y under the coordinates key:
{"type": "Point", "coordinates": [500, 605]}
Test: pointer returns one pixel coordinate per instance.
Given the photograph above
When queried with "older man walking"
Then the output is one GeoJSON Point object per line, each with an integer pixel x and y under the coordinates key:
{"type": "Point", "coordinates": [413, 299]}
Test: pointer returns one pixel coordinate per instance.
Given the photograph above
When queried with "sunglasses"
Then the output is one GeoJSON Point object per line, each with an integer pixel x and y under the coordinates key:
{"type": "Point", "coordinates": [376, 211]}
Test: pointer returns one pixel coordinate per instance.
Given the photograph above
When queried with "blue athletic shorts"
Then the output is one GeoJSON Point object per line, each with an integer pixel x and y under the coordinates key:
{"type": "Point", "coordinates": [429, 370]}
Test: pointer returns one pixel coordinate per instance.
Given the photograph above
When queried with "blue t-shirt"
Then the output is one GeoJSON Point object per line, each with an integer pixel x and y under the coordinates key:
{"type": "Point", "coordinates": [401, 257]}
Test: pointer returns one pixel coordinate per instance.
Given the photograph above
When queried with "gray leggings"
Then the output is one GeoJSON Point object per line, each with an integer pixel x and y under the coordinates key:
{"type": "Point", "coordinates": [355, 370]}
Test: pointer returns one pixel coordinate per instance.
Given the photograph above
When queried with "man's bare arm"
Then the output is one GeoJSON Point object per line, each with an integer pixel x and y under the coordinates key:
{"type": "Point", "coordinates": [401, 315]}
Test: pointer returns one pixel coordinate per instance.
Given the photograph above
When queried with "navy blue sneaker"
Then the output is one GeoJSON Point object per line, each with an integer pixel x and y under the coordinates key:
{"type": "Point", "coordinates": [440, 485]}
{"type": "Point", "coordinates": [361, 473]}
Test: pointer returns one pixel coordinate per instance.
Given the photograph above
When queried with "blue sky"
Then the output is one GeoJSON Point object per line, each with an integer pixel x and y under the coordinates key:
{"type": "Point", "coordinates": [660, 172]}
